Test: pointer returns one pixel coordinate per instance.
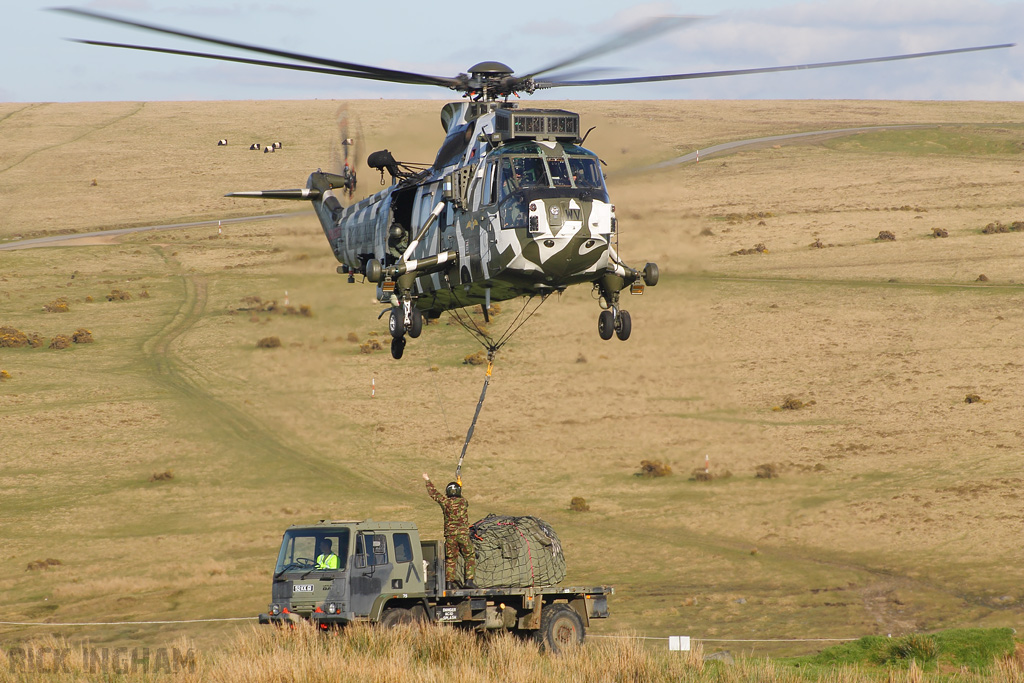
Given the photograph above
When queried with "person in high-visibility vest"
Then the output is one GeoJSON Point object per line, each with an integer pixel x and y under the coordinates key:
{"type": "Point", "coordinates": [327, 559]}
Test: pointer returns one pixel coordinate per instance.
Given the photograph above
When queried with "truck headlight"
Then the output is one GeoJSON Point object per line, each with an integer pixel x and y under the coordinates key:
{"type": "Point", "coordinates": [332, 608]}
{"type": "Point", "coordinates": [275, 609]}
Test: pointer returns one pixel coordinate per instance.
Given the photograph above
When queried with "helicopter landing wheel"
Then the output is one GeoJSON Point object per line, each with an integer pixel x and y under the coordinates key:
{"type": "Point", "coordinates": [396, 323]}
{"type": "Point", "coordinates": [397, 347]}
{"type": "Point", "coordinates": [623, 325]}
{"type": "Point", "coordinates": [605, 325]}
{"type": "Point", "coordinates": [415, 322]}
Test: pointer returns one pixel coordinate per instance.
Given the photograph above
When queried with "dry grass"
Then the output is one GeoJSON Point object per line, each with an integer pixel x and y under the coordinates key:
{"type": "Point", "coordinates": [429, 653]}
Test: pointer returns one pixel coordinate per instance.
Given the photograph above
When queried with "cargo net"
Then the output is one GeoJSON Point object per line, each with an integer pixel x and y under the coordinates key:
{"type": "Point", "coordinates": [515, 552]}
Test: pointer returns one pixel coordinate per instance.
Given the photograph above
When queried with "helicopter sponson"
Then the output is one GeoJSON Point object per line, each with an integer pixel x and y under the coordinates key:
{"type": "Point", "coordinates": [513, 205]}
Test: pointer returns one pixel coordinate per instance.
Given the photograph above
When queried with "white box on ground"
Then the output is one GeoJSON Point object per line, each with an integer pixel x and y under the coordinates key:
{"type": "Point", "coordinates": [679, 643]}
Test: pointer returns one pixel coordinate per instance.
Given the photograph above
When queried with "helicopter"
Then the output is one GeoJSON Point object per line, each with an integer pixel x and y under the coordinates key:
{"type": "Point", "coordinates": [512, 206]}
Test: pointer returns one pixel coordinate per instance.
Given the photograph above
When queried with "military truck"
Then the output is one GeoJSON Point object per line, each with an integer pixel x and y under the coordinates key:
{"type": "Point", "coordinates": [386, 574]}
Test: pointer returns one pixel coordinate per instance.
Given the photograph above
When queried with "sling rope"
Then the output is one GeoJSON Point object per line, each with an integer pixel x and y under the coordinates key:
{"type": "Point", "coordinates": [492, 347]}
{"type": "Point", "coordinates": [472, 425]}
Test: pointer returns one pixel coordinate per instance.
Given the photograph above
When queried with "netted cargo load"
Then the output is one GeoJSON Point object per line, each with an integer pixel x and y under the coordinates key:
{"type": "Point", "coordinates": [515, 552]}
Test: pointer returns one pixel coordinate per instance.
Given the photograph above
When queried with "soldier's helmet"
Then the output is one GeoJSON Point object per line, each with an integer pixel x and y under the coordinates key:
{"type": "Point", "coordinates": [453, 490]}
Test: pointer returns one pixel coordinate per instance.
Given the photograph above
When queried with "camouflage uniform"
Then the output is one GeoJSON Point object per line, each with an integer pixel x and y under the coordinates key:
{"type": "Point", "coordinates": [456, 532]}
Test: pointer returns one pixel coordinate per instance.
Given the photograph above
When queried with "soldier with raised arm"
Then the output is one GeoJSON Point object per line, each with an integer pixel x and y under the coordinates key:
{"type": "Point", "coordinates": [456, 531]}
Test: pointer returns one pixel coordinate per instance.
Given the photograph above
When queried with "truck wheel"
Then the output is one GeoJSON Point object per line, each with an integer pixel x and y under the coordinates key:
{"type": "Point", "coordinates": [395, 616]}
{"type": "Point", "coordinates": [560, 628]}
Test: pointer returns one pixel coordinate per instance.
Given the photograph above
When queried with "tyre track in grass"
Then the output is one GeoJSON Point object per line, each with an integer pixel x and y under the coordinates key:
{"type": "Point", "coordinates": [85, 134]}
{"type": "Point", "coordinates": [225, 423]}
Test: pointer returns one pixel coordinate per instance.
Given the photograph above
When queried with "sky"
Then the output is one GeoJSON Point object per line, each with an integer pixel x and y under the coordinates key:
{"type": "Point", "coordinates": [40, 65]}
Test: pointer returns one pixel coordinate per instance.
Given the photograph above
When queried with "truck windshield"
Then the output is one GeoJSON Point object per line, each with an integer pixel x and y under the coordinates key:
{"type": "Point", "coordinates": [313, 550]}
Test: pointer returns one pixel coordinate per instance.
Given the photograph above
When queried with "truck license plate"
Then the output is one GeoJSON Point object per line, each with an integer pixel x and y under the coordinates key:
{"type": "Point", "coordinates": [302, 588]}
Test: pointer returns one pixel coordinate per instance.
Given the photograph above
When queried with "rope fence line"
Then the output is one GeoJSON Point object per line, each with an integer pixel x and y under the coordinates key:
{"type": "Point", "coordinates": [589, 635]}
{"type": "Point", "coordinates": [732, 640]}
{"type": "Point", "coordinates": [119, 623]}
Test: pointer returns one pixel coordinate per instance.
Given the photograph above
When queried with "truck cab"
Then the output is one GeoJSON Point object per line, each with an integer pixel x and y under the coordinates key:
{"type": "Point", "coordinates": [376, 563]}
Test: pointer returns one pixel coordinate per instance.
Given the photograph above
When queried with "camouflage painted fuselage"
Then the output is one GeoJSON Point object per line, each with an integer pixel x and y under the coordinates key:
{"type": "Point", "coordinates": [522, 213]}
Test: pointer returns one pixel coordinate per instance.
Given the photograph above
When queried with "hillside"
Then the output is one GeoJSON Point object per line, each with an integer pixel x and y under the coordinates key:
{"type": "Point", "coordinates": [896, 507]}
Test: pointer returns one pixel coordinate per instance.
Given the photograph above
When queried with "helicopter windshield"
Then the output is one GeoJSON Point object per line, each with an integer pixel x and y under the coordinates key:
{"type": "Point", "coordinates": [523, 167]}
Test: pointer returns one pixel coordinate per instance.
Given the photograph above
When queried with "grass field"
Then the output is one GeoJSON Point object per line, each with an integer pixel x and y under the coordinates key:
{"type": "Point", "coordinates": [897, 507]}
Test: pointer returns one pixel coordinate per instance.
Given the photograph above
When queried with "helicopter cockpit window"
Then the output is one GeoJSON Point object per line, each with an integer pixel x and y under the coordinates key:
{"type": "Point", "coordinates": [521, 173]}
{"type": "Point", "coordinates": [559, 172]}
{"type": "Point", "coordinates": [513, 211]}
{"type": "Point", "coordinates": [491, 184]}
{"type": "Point", "coordinates": [586, 172]}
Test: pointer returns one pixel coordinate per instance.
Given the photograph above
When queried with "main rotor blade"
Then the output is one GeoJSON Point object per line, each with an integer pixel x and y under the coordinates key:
{"type": "Point", "coordinates": [637, 34]}
{"type": "Point", "coordinates": [242, 60]}
{"type": "Point", "coordinates": [765, 70]}
{"type": "Point", "coordinates": [371, 71]}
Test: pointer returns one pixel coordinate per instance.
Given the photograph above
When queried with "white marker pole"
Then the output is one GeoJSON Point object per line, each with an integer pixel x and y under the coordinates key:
{"type": "Point", "coordinates": [707, 464]}
{"type": "Point", "coordinates": [218, 228]}
{"type": "Point", "coordinates": [286, 297]}
{"type": "Point", "coordinates": [373, 387]}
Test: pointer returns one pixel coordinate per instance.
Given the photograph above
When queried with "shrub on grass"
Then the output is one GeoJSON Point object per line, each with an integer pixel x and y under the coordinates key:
{"type": "Point", "coordinates": [940, 232]}
{"type": "Point", "coordinates": [654, 468]}
{"type": "Point", "coordinates": [578, 504]}
{"type": "Point", "coordinates": [996, 227]}
{"type": "Point", "coordinates": [4, 375]}
{"type": "Point", "coordinates": [701, 474]}
{"type": "Point", "coordinates": [59, 305]}
{"type": "Point", "coordinates": [352, 337]}
{"type": "Point", "coordinates": [478, 358]}
{"type": "Point", "coordinates": [372, 344]}
{"type": "Point", "coordinates": [914, 647]}
{"type": "Point", "coordinates": [118, 295]}
{"type": "Point", "coordinates": [82, 336]}
{"type": "Point", "coordinates": [268, 343]}
{"type": "Point", "coordinates": [12, 338]}
{"type": "Point", "coordinates": [166, 475]}
{"type": "Point", "coordinates": [61, 341]}
{"type": "Point", "coordinates": [758, 248]}
{"type": "Point", "coordinates": [766, 471]}
{"type": "Point", "coordinates": [886, 236]}
{"type": "Point", "coordinates": [793, 403]}
{"type": "Point", "coordinates": [36, 565]}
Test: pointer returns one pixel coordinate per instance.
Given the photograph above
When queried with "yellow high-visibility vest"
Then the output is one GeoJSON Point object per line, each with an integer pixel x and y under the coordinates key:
{"type": "Point", "coordinates": [327, 561]}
